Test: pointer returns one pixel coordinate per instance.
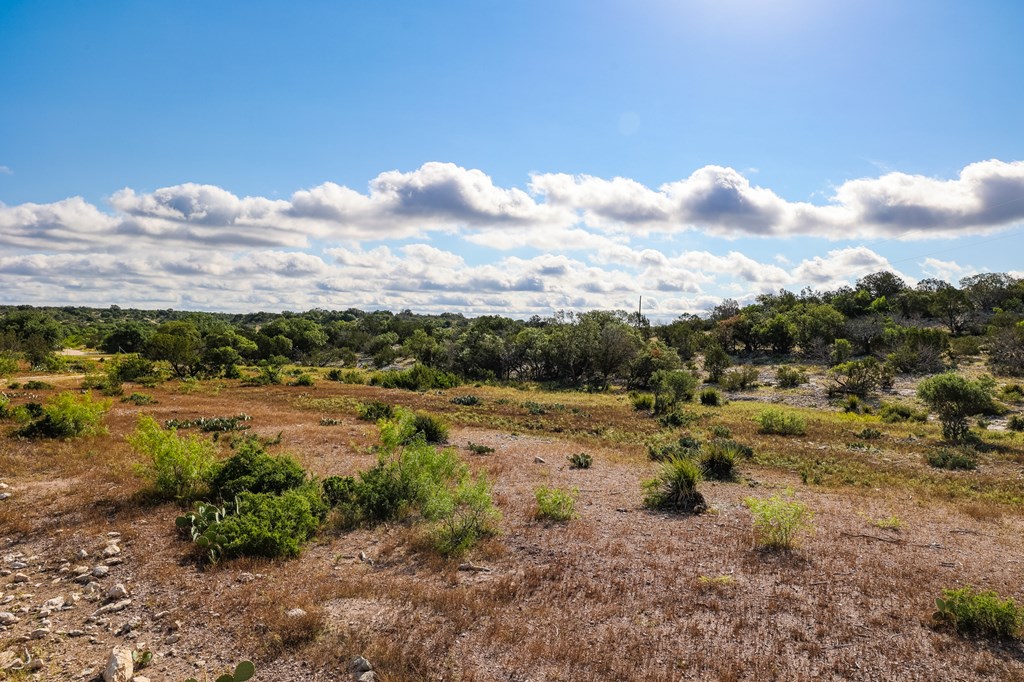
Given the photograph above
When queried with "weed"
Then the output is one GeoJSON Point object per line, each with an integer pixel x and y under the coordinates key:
{"type": "Point", "coordinates": [1015, 423]}
{"type": "Point", "coordinates": [642, 402]}
{"type": "Point", "coordinates": [139, 399]}
{"type": "Point", "coordinates": [677, 418]}
{"type": "Point", "coordinates": [739, 379]}
{"type": "Point", "coordinates": [1012, 393]}
{"type": "Point", "coordinates": [478, 449]}
{"type": "Point", "coordinates": [178, 468]}
{"type": "Point", "coordinates": [869, 433]}
{"type": "Point", "coordinates": [894, 413]}
{"type": "Point", "coordinates": [580, 460]}
{"type": "Point", "coordinates": [984, 614]}
{"type": "Point", "coordinates": [417, 378]}
{"type": "Point", "coordinates": [36, 385]}
{"type": "Point", "coordinates": [211, 424]}
{"type": "Point", "coordinates": [303, 380]}
{"type": "Point", "coordinates": [67, 415]}
{"type": "Point", "coordinates": [675, 487]}
{"type": "Point", "coordinates": [462, 516]}
{"type": "Point", "coordinates": [953, 459]}
{"type": "Point", "coordinates": [466, 400]}
{"type": "Point", "coordinates": [330, 421]}
{"type": "Point", "coordinates": [886, 523]}
{"type": "Point", "coordinates": [721, 431]}
{"type": "Point", "coordinates": [778, 521]}
{"type": "Point", "coordinates": [717, 459]}
{"type": "Point", "coordinates": [243, 671]}
{"type": "Point", "coordinates": [773, 421]}
{"type": "Point", "coordinates": [718, 583]}
{"type": "Point", "coordinates": [554, 504]}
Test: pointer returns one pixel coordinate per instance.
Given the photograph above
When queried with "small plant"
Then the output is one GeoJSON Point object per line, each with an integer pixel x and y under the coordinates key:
{"type": "Point", "coordinates": [886, 523]}
{"type": "Point", "coordinates": [661, 450]}
{"type": "Point", "coordinates": [790, 377]}
{"type": "Point", "coordinates": [773, 421]}
{"type": "Point", "coordinates": [36, 385]}
{"type": "Point", "coordinates": [778, 521]}
{"type": "Point", "coordinates": [431, 428]}
{"type": "Point", "coordinates": [67, 415]}
{"type": "Point", "coordinates": [677, 418]}
{"type": "Point", "coordinates": [304, 380]}
{"type": "Point", "coordinates": [580, 460]}
{"type": "Point", "coordinates": [955, 398]}
{"type": "Point", "coordinates": [642, 402]}
{"type": "Point", "coordinates": [138, 399]}
{"type": "Point", "coordinates": [853, 405]}
{"type": "Point", "coordinates": [953, 459]}
{"type": "Point", "coordinates": [375, 410]}
{"type": "Point", "coordinates": [1015, 423]}
{"type": "Point", "coordinates": [253, 469]}
{"type": "Point", "coordinates": [461, 516]}
{"type": "Point", "coordinates": [211, 424]}
{"type": "Point", "coordinates": [984, 614]}
{"type": "Point", "coordinates": [1012, 393]}
{"type": "Point", "coordinates": [709, 397]}
{"type": "Point", "coordinates": [141, 658]}
{"type": "Point", "coordinates": [869, 433]}
{"type": "Point", "coordinates": [330, 421]}
{"type": "Point", "coordinates": [675, 487]}
{"type": "Point", "coordinates": [719, 583]}
{"type": "Point", "coordinates": [717, 459]}
{"type": "Point", "coordinates": [466, 400]}
{"type": "Point", "coordinates": [721, 431]}
{"type": "Point", "coordinates": [478, 449]}
{"type": "Point", "coordinates": [243, 671]}
{"type": "Point", "coordinates": [554, 504]}
{"type": "Point", "coordinates": [178, 468]}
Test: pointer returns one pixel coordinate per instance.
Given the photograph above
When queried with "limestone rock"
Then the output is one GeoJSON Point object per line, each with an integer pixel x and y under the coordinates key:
{"type": "Point", "coordinates": [120, 666]}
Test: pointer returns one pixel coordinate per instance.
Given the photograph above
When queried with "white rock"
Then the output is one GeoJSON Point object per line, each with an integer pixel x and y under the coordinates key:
{"type": "Point", "coordinates": [113, 608]}
{"type": "Point", "coordinates": [55, 604]}
{"type": "Point", "coordinates": [20, 578]}
{"type": "Point", "coordinates": [360, 665]}
{"type": "Point", "coordinates": [111, 550]}
{"type": "Point", "coordinates": [39, 633]}
{"type": "Point", "coordinates": [295, 613]}
{"type": "Point", "coordinates": [117, 591]}
{"type": "Point", "coordinates": [538, 460]}
{"type": "Point", "coordinates": [100, 571]}
{"type": "Point", "coordinates": [172, 639]}
{"type": "Point", "coordinates": [5, 496]}
{"type": "Point", "coordinates": [81, 554]}
{"type": "Point", "coordinates": [8, 618]}
{"type": "Point", "coordinates": [368, 676]}
{"type": "Point", "coordinates": [140, 678]}
{"type": "Point", "coordinates": [120, 667]}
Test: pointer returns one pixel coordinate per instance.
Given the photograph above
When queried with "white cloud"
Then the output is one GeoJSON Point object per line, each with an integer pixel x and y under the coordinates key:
{"type": "Point", "coordinates": [946, 270]}
{"type": "Point", "coordinates": [6, 170]}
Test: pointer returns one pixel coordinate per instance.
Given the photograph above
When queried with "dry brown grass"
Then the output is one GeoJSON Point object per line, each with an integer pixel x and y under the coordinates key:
{"type": "Point", "coordinates": [616, 594]}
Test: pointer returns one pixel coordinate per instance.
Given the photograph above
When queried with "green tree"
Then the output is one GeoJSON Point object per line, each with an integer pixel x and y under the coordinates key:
{"type": "Point", "coordinates": [179, 344]}
{"type": "Point", "coordinates": [955, 398]}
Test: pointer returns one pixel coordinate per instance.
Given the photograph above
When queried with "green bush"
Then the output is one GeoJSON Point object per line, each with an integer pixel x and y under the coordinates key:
{"type": "Point", "coordinates": [67, 415]}
{"type": "Point", "coordinates": [660, 449]}
{"type": "Point", "coordinates": [1015, 423]}
{"type": "Point", "coordinates": [869, 433]}
{"type": "Point", "coordinates": [677, 418]}
{"type": "Point", "coordinates": [984, 614]}
{"type": "Point", "coordinates": [710, 397]}
{"type": "Point", "coordinates": [375, 410]}
{"type": "Point", "coordinates": [554, 504]}
{"type": "Point", "coordinates": [739, 379]}
{"type": "Point", "coordinates": [955, 398]}
{"type": "Point", "coordinates": [642, 402]}
{"type": "Point", "coordinates": [894, 413]}
{"type": "Point", "coordinates": [133, 368]}
{"type": "Point", "coordinates": [478, 449]}
{"type": "Point", "coordinates": [859, 377]}
{"type": "Point", "coordinates": [466, 400]}
{"type": "Point", "coordinates": [1012, 393]}
{"type": "Point", "coordinates": [772, 421]}
{"type": "Point", "coordinates": [953, 459]}
{"type": "Point", "coordinates": [138, 399]}
{"type": "Point", "coordinates": [430, 428]}
{"type": "Point", "coordinates": [417, 378]}
{"type": "Point", "coordinates": [338, 489]}
{"type": "Point", "coordinates": [580, 460]}
{"type": "Point", "coordinates": [36, 385]}
{"type": "Point", "coordinates": [778, 521]}
{"type": "Point", "coordinates": [178, 468]}
{"type": "Point", "coordinates": [675, 487]}
{"type": "Point", "coordinates": [672, 387]}
{"type": "Point", "coordinates": [211, 424]}
{"type": "Point", "coordinates": [269, 525]}
{"type": "Point", "coordinates": [790, 377]}
{"type": "Point", "coordinates": [462, 516]}
{"type": "Point", "coordinates": [717, 459]}
{"type": "Point", "coordinates": [303, 380]}
{"type": "Point", "coordinates": [252, 469]}
{"type": "Point", "coordinates": [8, 363]}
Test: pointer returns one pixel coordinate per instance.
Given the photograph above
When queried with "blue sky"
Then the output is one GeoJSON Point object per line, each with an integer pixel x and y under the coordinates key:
{"type": "Point", "coordinates": [502, 157]}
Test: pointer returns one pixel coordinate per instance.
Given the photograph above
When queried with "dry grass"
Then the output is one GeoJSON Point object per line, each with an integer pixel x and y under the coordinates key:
{"type": "Point", "coordinates": [619, 593]}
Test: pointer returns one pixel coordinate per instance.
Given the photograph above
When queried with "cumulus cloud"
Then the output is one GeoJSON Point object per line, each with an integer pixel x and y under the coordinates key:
{"type": "Point", "coordinates": [560, 212]}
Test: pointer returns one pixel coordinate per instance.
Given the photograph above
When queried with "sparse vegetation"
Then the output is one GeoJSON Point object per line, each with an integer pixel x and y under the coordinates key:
{"type": "Point", "coordinates": [955, 399]}
{"type": "Point", "coordinates": [790, 377]}
{"type": "Point", "coordinates": [67, 415]}
{"type": "Point", "coordinates": [710, 397]}
{"type": "Point", "coordinates": [674, 488]}
{"type": "Point", "coordinates": [555, 504]}
{"type": "Point", "coordinates": [178, 468]}
{"type": "Point", "coordinates": [778, 521]}
{"type": "Point", "coordinates": [980, 613]}
{"type": "Point", "coordinates": [954, 459]}
{"type": "Point", "coordinates": [580, 460]}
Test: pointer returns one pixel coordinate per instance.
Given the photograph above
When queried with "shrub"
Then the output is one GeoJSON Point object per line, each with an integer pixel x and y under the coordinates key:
{"type": "Point", "coordinates": [790, 377]}
{"type": "Point", "coordinates": [178, 468]}
{"type": "Point", "coordinates": [869, 433]}
{"type": "Point", "coordinates": [778, 521]}
{"type": "Point", "coordinates": [717, 460]}
{"type": "Point", "coordinates": [269, 525]}
{"type": "Point", "coordinates": [338, 489]}
{"type": "Point", "coordinates": [661, 450]}
{"type": "Point", "coordinates": [955, 398]}
{"type": "Point", "coordinates": [672, 387]}
{"type": "Point", "coordinates": [417, 378]}
{"type": "Point", "coordinates": [772, 421]}
{"type": "Point", "coordinates": [8, 363]}
{"type": "Point", "coordinates": [138, 399]}
{"type": "Point", "coordinates": [132, 368]}
{"type": "Point", "coordinates": [965, 346]}
{"type": "Point", "coordinates": [554, 504]}
{"type": "Point", "coordinates": [710, 397]}
{"type": "Point", "coordinates": [580, 460]}
{"type": "Point", "coordinates": [252, 469]}
{"type": "Point", "coordinates": [677, 418]}
{"type": "Point", "coordinates": [462, 516]}
{"type": "Point", "coordinates": [211, 424]}
{"type": "Point", "coordinates": [67, 415]}
{"type": "Point", "coordinates": [721, 431]}
{"type": "Point", "coordinates": [36, 385]}
{"type": "Point", "coordinates": [431, 428]}
{"type": "Point", "coordinates": [466, 400]}
{"type": "Point", "coordinates": [675, 487]}
{"type": "Point", "coordinates": [973, 612]}
{"type": "Point", "coordinates": [303, 380]}
{"type": "Point", "coordinates": [330, 421]}
{"type": "Point", "coordinates": [859, 377]}
{"type": "Point", "coordinates": [346, 376]}
{"type": "Point", "coordinates": [1015, 423]}
{"type": "Point", "coordinates": [893, 413]}
{"type": "Point", "coordinates": [375, 410]}
{"type": "Point", "coordinates": [642, 402]}
{"type": "Point", "coordinates": [739, 379]}
{"type": "Point", "coordinates": [953, 459]}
